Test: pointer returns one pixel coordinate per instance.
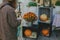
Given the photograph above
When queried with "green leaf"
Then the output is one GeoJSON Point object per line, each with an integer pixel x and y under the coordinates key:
{"type": "Point", "coordinates": [32, 4]}
{"type": "Point", "coordinates": [57, 3]}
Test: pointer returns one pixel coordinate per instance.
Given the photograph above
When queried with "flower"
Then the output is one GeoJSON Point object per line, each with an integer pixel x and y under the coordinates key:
{"type": "Point", "coordinates": [30, 17]}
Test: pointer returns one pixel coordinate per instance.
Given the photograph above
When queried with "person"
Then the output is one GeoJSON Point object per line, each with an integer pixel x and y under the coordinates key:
{"type": "Point", "coordinates": [8, 22]}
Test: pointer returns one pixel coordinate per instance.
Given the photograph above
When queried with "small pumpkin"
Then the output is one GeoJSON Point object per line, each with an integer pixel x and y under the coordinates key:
{"type": "Point", "coordinates": [43, 17]}
{"type": "Point", "coordinates": [45, 32]}
{"type": "Point", "coordinates": [28, 32]}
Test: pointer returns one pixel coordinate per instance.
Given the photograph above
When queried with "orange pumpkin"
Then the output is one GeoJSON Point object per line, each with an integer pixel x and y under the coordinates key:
{"type": "Point", "coordinates": [45, 32]}
{"type": "Point", "coordinates": [43, 17]}
{"type": "Point", "coordinates": [28, 32]}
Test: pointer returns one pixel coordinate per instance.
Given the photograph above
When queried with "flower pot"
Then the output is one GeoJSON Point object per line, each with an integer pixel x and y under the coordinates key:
{"type": "Point", "coordinates": [29, 24]}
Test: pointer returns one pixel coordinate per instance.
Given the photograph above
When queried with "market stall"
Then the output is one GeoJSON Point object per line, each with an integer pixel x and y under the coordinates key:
{"type": "Point", "coordinates": [36, 19]}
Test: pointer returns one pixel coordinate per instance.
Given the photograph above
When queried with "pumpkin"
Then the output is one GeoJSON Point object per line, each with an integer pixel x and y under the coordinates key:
{"type": "Point", "coordinates": [43, 17]}
{"type": "Point", "coordinates": [28, 32]}
{"type": "Point", "coordinates": [45, 32]}
{"type": "Point", "coordinates": [30, 17]}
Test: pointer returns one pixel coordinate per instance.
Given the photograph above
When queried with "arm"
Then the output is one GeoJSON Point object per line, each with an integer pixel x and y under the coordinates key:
{"type": "Point", "coordinates": [11, 18]}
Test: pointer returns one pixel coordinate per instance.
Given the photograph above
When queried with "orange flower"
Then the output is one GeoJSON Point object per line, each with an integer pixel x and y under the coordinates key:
{"type": "Point", "coordinates": [30, 16]}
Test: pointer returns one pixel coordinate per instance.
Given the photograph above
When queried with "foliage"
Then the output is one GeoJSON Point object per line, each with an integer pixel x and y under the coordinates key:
{"type": "Point", "coordinates": [57, 3]}
{"type": "Point", "coordinates": [32, 4]}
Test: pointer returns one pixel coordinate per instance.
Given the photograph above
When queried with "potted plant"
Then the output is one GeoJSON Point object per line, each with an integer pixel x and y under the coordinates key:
{"type": "Point", "coordinates": [30, 17]}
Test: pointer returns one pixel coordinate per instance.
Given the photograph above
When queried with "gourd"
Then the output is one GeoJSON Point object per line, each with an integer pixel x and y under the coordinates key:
{"type": "Point", "coordinates": [43, 17]}
{"type": "Point", "coordinates": [28, 32]}
{"type": "Point", "coordinates": [45, 32]}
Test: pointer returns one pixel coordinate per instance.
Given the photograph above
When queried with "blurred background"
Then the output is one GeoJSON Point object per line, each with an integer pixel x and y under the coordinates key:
{"type": "Point", "coordinates": [25, 8]}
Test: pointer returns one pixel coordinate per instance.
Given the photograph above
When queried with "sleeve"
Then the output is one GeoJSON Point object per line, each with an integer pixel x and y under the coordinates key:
{"type": "Point", "coordinates": [12, 19]}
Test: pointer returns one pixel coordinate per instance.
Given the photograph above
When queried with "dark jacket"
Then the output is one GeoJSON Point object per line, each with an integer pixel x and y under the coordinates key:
{"type": "Point", "coordinates": [8, 23]}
